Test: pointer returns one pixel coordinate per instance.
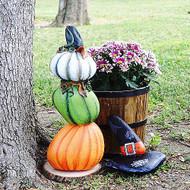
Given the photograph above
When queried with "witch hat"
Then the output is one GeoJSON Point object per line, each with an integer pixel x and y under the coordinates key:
{"type": "Point", "coordinates": [130, 143]}
{"type": "Point", "coordinates": [142, 162]}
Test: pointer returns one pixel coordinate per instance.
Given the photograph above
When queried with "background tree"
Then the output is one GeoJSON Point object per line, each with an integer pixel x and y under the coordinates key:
{"type": "Point", "coordinates": [72, 12]}
{"type": "Point", "coordinates": [17, 114]}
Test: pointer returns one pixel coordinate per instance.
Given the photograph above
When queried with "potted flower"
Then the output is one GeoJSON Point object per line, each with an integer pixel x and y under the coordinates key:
{"type": "Point", "coordinates": [124, 71]}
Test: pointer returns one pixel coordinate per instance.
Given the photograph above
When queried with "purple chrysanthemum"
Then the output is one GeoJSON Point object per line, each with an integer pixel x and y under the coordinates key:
{"type": "Point", "coordinates": [136, 60]}
{"type": "Point", "coordinates": [130, 56]}
{"type": "Point", "coordinates": [124, 67]}
{"type": "Point", "coordinates": [143, 63]}
{"type": "Point", "coordinates": [101, 64]}
{"type": "Point", "coordinates": [114, 54]}
{"type": "Point", "coordinates": [119, 61]}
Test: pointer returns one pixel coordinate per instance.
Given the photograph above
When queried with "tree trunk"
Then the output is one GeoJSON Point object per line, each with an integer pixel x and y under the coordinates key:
{"type": "Point", "coordinates": [17, 114]}
{"type": "Point", "coordinates": [72, 12]}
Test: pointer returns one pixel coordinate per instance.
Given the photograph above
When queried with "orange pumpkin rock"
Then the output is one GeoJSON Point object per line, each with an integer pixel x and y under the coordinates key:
{"type": "Point", "coordinates": [76, 147]}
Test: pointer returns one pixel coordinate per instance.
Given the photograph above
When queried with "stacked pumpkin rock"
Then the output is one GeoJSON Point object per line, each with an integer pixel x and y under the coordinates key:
{"type": "Point", "coordinates": [79, 145]}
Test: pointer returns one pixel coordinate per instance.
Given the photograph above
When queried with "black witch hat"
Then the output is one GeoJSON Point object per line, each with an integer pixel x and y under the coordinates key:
{"type": "Point", "coordinates": [141, 162]}
{"type": "Point", "coordinates": [130, 143]}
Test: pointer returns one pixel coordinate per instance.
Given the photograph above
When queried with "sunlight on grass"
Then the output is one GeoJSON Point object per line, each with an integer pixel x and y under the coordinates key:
{"type": "Point", "coordinates": [161, 26]}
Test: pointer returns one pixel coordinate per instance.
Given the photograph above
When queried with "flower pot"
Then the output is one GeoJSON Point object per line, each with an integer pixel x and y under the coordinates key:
{"type": "Point", "coordinates": [129, 105]}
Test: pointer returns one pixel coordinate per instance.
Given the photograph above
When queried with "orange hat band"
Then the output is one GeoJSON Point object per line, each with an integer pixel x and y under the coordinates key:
{"type": "Point", "coordinates": [133, 148]}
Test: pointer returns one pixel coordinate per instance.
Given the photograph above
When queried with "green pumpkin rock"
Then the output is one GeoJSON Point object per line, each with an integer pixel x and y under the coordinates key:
{"type": "Point", "coordinates": [75, 108]}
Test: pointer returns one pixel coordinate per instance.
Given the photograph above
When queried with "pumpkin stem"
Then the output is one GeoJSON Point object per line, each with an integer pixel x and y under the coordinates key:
{"type": "Point", "coordinates": [83, 52]}
{"type": "Point", "coordinates": [68, 85]}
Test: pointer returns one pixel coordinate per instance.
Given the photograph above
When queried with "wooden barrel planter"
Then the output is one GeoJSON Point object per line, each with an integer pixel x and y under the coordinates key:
{"type": "Point", "coordinates": [130, 105]}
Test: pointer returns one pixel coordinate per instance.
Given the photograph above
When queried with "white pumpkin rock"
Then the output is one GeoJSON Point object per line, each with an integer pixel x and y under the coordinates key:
{"type": "Point", "coordinates": [71, 66]}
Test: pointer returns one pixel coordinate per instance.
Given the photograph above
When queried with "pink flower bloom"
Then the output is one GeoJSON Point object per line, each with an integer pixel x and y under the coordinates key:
{"type": "Point", "coordinates": [123, 67]}
{"type": "Point", "coordinates": [115, 54]}
{"type": "Point", "coordinates": [130, 55]}
{"type": "Point", "coordinates": [101, 64]}
{"type": "Point", "coordinates": [119, 61]}
{"type": "Point", "coordinates": [108, 68]}
{"type": "Point", "coordinates": [143, 63]}
{"type": "Point", "coordinates": [152, 64]}
{"type": "Point", "coordinates": [93, 52]}
{"type": "Point", "coordinates": [136, 47]}
{"type": "Point", "coordinates": [120, 54]}
{"type": "Point", "coordinates": [136, 59]}
{"type": "Point", "coordinates": [129, 46]}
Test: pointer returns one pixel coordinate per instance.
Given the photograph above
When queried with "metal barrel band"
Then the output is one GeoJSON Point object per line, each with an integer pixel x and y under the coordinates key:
{"type": "Point", "coordinates": [124, 93]}
{"type": "Point", "coordinates": [132, 125]}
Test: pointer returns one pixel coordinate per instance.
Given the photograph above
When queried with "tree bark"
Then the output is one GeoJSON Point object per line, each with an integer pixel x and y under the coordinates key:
{"type": "Point", "coordinates": [72, 12]}
{"type": "Point", "coordinates": [17, 113]}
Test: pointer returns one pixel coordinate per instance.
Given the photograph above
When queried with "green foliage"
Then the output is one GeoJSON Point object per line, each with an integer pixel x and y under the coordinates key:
{"type": "Point", "coordinates": [131, 83]}
{"type": "Point", "coordinates": [166, 166]}
{"type": "Point", "coordinates": [137, 77]}
{"type": "Point", "coordinates": [60, 186]}
{"type": "Point", "coordinates": [51, 135]}
{"type": "Point", "coordinates": [28, 186]}
{"type": "Point", "coordinates": [157, 25]}
{"type": "Point", "coordinates": [180, 135]}
{"type": "Point", "coordinates": [187, 159]}
{"type": "Point", "coordinates": [155, 140]}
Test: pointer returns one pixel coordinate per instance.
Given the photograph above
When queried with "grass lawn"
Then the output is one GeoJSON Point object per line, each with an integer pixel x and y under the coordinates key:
{"type": "Point", "coordinates": [162, 26]}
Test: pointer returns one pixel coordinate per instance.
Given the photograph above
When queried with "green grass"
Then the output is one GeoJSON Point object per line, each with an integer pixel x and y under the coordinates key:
{"type": "Point", "coordinates": [161, 26]}
{"type": "Point", "coordinates": [46, 10]}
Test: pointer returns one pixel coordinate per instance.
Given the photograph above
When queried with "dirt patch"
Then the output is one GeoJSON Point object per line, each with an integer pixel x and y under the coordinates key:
{"type": "Point", "coordinates": [173, 174]}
